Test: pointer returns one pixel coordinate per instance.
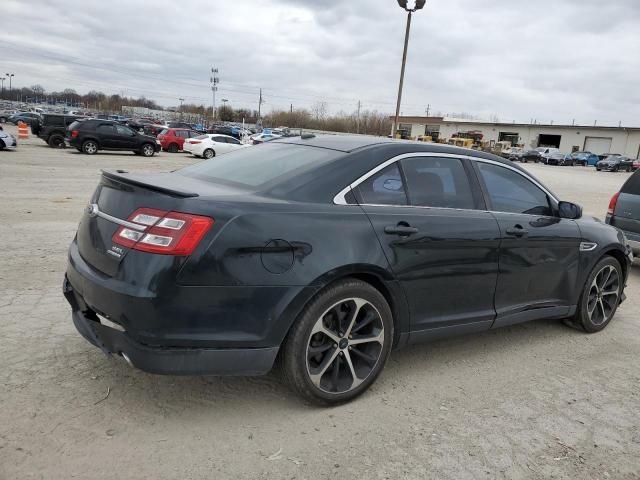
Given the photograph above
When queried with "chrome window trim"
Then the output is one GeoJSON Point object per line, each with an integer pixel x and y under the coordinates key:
{"type": "Point", "coordinates": [339, 199]}
{"type": "Point", "coordinates": [95, 211]}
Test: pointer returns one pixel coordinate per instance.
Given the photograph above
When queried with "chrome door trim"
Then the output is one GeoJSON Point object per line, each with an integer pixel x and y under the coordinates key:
{"type": "Point", "coordinates": [339, 199]}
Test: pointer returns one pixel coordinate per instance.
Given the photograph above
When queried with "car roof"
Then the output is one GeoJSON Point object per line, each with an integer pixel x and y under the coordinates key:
{"type": "Point", "coordinates": [343, 143]}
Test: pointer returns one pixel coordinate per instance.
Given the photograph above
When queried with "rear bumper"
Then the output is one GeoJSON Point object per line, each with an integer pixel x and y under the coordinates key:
{"type": "Point", "coordinates": [161, 360]}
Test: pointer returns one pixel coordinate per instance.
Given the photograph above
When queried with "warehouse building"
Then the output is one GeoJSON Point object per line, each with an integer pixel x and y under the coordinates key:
{"type": "Point", "coordinates": [568, 138]}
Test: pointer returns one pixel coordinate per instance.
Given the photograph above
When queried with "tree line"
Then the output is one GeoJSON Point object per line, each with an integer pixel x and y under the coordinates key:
{"type": "Point", "coordinates": [317, 117]}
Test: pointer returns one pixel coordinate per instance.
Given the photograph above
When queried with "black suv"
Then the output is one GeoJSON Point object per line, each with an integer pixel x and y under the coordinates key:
{"type": "Point", "coordinates": [89, 136]}
{"type": "Point", "coordinates": [53, 128]}
{"type": "Point", "coordinates": [615, 163]}
{"type": "Point", "coordinates": [624, 211]}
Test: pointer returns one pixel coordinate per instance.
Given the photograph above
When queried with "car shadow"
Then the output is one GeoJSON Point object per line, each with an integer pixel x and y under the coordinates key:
{"type": "Point", "coordinates": [193, 395]}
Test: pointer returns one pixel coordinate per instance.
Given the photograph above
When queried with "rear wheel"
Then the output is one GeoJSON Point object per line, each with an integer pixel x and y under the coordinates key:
{"type": "Point", "coordinates": [339, 344]}
{"type": "Point", "coordinates": [90, 147]}
{"type": "Point", "coordinates": [208, 153]}
{"type": "Point", "coordinates": [56, 141]}
{"type": "Point", "coordinates": [148, 150]}
{"type": "Point", "coordinates": [2, 145]}
{"type": "Point", "coordinates": [173, 148]}
{"type": "Point", "coordinates": [600, 297]}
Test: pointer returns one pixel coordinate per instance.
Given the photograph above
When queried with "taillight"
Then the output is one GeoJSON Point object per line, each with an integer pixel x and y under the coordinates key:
{"type": "Point", "coordinates": [193, 142]}
{"type": "Point", "coordinates": [166, 233]}
{"type": "Point", "coordinates": [74, 133]}
{"type": "Point", "coordinates": [613, 202]}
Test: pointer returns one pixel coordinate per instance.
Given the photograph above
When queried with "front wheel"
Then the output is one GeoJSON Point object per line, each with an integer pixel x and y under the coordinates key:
{"type": "Point", "coordinates": [173, 148]}
{"type": "Point", "coordinates": [90, 147]}
{"type": "Point", "coordinates": [148, 150]}
{"type": "Point", "coordinates": [339, 344]}
{"type": "Point", "coordinates": [600, 297]}
{"type": "Point", "coordinates": [56, 141]}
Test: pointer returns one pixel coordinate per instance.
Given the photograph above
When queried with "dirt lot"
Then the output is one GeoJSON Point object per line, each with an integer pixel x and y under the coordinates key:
{"type": "Point", "coordinates": [532, 401]}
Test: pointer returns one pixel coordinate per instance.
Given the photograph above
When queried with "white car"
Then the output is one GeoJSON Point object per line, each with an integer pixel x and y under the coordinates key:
{"type": "Point", "coordinates": [211, 144]}
{"type": "Point", "coordinates": [7, 140]}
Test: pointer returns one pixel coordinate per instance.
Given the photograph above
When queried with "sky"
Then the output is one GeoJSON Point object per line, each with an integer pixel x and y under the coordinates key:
{"type": "Point", "coordinates": [548, 60]}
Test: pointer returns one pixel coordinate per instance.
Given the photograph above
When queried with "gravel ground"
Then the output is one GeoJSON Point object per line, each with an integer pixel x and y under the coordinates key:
{"type": "Point", "coordinates": [537, 400]}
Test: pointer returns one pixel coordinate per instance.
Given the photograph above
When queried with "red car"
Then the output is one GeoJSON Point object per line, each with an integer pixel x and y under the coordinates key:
{"type": "Point", "coordinates": [172, 139]}
{"type": "Point", "coordinates": [636, 165]}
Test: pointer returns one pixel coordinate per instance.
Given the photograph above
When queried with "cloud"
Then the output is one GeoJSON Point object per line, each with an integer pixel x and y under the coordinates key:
{"type": "Point", "coordinates": [550, 60]}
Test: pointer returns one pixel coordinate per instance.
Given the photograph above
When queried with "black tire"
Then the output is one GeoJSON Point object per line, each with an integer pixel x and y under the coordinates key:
{"type": "Point", "coordinates": [342, 356]}
{"type": "Point", "coordinates": [208, 153]}
{"type": "Point", "coordinates": [90, 147]}
{"type": "Point", "coordinates": [594, 315]}
{"type": "Point", "coordinates": [148, 150]}
{"type": "Point", "coordinates": [79, 149]}
{"type": "Point", "coordinates": [597, 169]}
{"type": "Point", "coordinates": [136, 152]}
{"type": "Point", "coordinates": [56, 141]}
{"type": "Point", "coordinates": [2, 145]}
{"type": "Point", "coordinates": [615, 169]}
{"type": "Point", "coordinates": [173, 148]}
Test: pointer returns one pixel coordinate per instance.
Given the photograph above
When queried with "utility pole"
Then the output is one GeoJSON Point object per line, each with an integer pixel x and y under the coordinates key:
{"type": "Point", "coordinates": [291, 108]}
{"type": "Point", "coordinates": [181, 100]}
{"type": "Point", "coordinates": [214, 79]}
{"type": "Point", "coordinates": [2, 80]}
{"type": "Point", "coordinates": [427, 109]}
{"type": "Point", "coordinates": [358, 120]}
{"type": "Point", "coordinates": [260, 105]}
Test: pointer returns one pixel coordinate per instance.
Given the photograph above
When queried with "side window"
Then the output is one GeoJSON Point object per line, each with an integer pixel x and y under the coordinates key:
{"type": "Point", "coordinates": [437, 182]}
{"type": "Point", "coordinates": [233, 141]}
{"type": "Point", "coordinates": [106, 128]}
{"type": "Point", "coordinates": [218, 139]}
{"type": "Point", "coordinates": [384, 188]}
{"type": "Point", "coordinates": [511, 192]}
{"type": "Point", "coordinates": [122, 130]}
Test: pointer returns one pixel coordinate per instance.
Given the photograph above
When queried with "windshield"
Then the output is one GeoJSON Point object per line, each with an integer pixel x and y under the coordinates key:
{"type": "Point", "coordinates": [256, 166]}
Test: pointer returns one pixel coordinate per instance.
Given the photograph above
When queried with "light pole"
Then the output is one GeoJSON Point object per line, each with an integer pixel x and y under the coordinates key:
{"type": "Point", "coordinates": [10, 75]}
{"type": "Point", "coordinates": [181, 100]}
{"type": "Point", "coordinates": [214, 79]}
{"type": "Point", "coordinates": [418, 5]}
{"type": "Point", "coordinates": [2, 80]}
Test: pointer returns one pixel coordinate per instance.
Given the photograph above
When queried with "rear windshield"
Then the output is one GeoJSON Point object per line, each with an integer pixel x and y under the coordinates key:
{"type": "Point", "coordinates": [632, 185]}
{"type": "Point", "coordinates": [164, 131]}
{"type": "Point", "coordinates": [259, 165]}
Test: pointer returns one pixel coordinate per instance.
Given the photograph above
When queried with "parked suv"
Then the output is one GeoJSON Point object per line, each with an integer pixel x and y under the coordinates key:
{"type": "Point", "coordinates": [172, 139]}
{"type": "Point", "coordinates": [53, 128]}
{"type": "Point", "coordinates": [546, 152]}
{"type": "Point", "coordinates": [624, 211]}
{"type": "Point", "coordinates": [89, 136]}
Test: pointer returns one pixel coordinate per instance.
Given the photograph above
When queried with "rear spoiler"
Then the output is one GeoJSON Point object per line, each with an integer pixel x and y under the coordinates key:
{"type": "Point", "coordinates": [123, 176]}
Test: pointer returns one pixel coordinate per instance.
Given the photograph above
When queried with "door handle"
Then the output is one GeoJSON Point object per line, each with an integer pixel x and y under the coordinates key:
{"type": "Point", "coordinates": [402, 230]}
{"type": "Point", "coordinates": [517, 231]}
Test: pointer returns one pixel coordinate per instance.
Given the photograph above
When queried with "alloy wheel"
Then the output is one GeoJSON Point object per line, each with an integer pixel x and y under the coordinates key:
{"type": "Point", "coordinates": [345, 346]}
{"type": "Point", "coordinates": [603, 296]}
{"type": "Point", "coordinates": [147, 150]}
{"type": "Point", "coordinates": [90, 148]}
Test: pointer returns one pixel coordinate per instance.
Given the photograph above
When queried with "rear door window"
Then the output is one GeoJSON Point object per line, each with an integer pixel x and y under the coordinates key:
{"type": "Point", "coordinates": [437, 182]}
{"type": "Point", "coordinates": [383, 188]}
{"type": "Point", "coordinates": [106, 128]}
{"type": "Point", "coordinates": [632, 185]}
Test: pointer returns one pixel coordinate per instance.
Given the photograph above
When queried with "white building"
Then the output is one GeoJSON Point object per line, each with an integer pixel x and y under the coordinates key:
{"type": "Point", "coordinates": [568, 138]}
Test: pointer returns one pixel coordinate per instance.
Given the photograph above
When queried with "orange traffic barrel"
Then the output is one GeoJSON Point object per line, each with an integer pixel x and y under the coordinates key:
{"type": "Point", "coordinates": [23, 131]}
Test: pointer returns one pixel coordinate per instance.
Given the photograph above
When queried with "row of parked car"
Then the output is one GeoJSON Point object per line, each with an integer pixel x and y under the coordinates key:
{"type": "Point", "coordinates": [552, 156]}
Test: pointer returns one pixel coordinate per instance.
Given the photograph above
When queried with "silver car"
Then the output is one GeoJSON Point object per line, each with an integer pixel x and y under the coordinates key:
{"type": "Point", "coordinates": [7, 140]}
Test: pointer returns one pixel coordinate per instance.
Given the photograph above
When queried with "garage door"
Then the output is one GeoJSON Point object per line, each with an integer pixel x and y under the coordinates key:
{"type": "Point", "coordinates": [597, 145]}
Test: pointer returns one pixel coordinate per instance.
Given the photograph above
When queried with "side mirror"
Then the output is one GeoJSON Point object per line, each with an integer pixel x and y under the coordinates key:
{"type": "Point", "coordinates": [569, 210]}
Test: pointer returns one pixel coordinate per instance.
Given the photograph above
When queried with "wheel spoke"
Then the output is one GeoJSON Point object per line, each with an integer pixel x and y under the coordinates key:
{"type": "Point", "coordinates": [329, 360]}
{"type": "Point", "coordinates": [356, 381]}
{"type": "Point", "coordinates": [611, 292]}
{"type": "Point", "coordinates": [377, 337]}
{"type": "Point", "coordinates": [604, 314]}
{"type": "Point", "coordinates": [370, 317]}
{"type": "Point", "coordinates": [606, 276]}
{"type": "Point", "coordinates": [320, 328]}
{"type": "Point", "coordinates": [353, 315]}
